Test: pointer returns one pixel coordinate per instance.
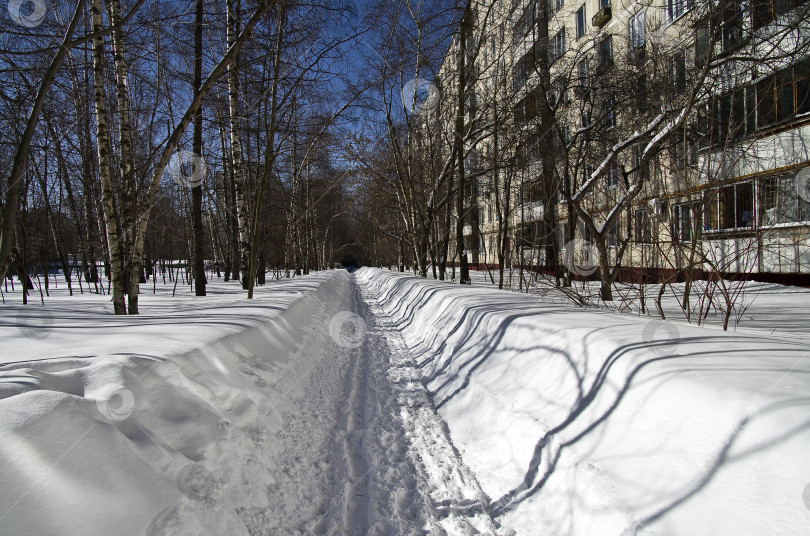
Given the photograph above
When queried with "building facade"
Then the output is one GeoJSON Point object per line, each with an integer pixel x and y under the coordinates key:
{"type": "Point", "coordinates": [670, 136]}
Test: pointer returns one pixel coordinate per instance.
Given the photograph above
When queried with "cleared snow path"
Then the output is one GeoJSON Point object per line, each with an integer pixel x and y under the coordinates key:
{"type": "Point", "coordinates": [457, 502]}
{"type": "Point", "coordinates": [362, 451]}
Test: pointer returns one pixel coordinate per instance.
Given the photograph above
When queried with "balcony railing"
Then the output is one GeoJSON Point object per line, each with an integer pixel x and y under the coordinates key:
{"type": "Point", "coordinates": [602, 17]}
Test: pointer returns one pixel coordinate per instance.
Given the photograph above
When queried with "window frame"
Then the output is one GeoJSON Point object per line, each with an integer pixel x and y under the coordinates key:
{"type": "Point", "coordinates": [677, 9]}
{"type": "Point", "coordinates": [732, 24]}
{"type": "Point", "coordinates": [679, 73]}
{"type": "Point", "coordinates": [583, 77]}
{"type": "Point", "coordinates": [642, 226]}
{"type": "Point", "coordinates": [638, 38]}
{"type": "Point", "coordinates": [560, 91]}
{"type": "Point", "coordinates": [771, 90]}
{"type": "Point", "coordinates": [612, 234]}
{"type": "Point", "coordinates": [557, 45]}
{"type": "Point", "coordinates": [582, 22]}
{"type": "Point", "coordinates": [765, 12]}
{"type": "Point", "coordinates": [692, 224]}
{"type": "Point", "coordinates": [727, 198]}
{"type": "Point", "coordinates": [605, 50]}
{"type": "Point", "coordinates": [612, 174]}
{"type": "Point", "coordinates": [609, 113]}
{"type": "Point", "coordinates": [585, 174]}
{"type": "Point", "coordinates": [800, 206]}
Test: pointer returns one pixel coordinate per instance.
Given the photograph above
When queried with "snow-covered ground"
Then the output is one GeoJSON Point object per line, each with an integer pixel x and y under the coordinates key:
{"type": "Point", "coordinates": [767, 308]}
{"type": "Point", "coordinates": [381, 403]}
{"type": "Point", "coordinates": [587, 422]}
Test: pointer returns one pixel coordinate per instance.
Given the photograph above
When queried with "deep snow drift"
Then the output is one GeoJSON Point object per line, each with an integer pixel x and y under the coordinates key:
{"type": "Point", "coordinates": [166, 423]}
{"type": "Point", "coordinates": [588, 423]}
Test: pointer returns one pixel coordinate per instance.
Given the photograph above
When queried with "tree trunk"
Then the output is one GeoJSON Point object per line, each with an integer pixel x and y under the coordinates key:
{"type": "Point", "coordinates": [105, 165]}
{"type": "Point", "coordinates": [464, 269]}
{"type": "Point", "coordinates": [233, 7]}
{"type": "Point", "coordinates": [196, 190]}
{"type": "Point", "coordinates": [129, 202]}
{"type": "Point", "coordinates": [605, 275]}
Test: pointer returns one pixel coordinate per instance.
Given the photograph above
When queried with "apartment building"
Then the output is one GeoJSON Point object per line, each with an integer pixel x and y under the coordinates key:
{"type": "Point", "coordinates": [721, 184]}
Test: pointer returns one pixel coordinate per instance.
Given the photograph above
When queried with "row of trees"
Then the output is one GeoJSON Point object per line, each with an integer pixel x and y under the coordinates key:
{"type": "Point", "coordinates": [145, 130]}
{"type": "Point", "coordinates": [253, 133]}
{"type": "Point", "coordinates": [551, 132]}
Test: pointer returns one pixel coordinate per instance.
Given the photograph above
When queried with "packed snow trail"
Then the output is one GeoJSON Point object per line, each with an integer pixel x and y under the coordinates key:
{"type": "Point", "coordinates": [363, 451]}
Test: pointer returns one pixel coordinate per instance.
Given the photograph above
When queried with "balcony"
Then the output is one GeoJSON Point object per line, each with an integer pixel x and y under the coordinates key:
{"type": "Point", "coordinates": [532, 211]}
{"type": "Point", "coordinates": [602, 17]}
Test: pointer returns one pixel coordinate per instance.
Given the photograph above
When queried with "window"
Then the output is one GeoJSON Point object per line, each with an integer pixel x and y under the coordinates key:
{"type": "Point", "coordinates": [532, 103]}
{"type": "Point", "coordinates": [585, 120]}
{"type": "Point", "coordinates": [613, 235]}
{"type": "Point", "coordinates": [783, 95]}
{"type": "Point", "coordinates": [641, 167]}
{"type": "Point", "coordinates": [564, 189]}
{"type": "Point", "coordinates": [528, 151]}
{"type": "Point", "coordinates": [533, 149]}
{"type": "Point", "coordinates": [642, 92]}
{"type": "Point", "coordinates": [520, 113]}
{"type": "Point", "coordinates": [585, 231]}
{"type": "Point", "coordinates": [710, 211]}
{"type": "Point", "coordinates": [730, 207]}
{"type": "Point", "coordinates": [638, 35]}
{"type": "Point", "coordinates": [801, 79]}
{"type": "Point", "coordinates": [702, 42]}
{"type": "Point", "coordinates": [587, 171]}
{"type": "Point", "coordinates": [609, 114]}
{"type": "Point", "coordinates": [766, 102]}
{"type": "Point", "coordinates": [612, 174]}
{"type": "Point", "coordinates": [642, 227]}
{"type": "Point", "coordinates": [555, 5]}
{"type": "Point", "coordinates": [606, 51]}
{"type": "Point", "coordinates": [557, 45]}
{"type": "Point", "coordinates": [679, 71]}
{"type": "Point", "coordinates": [766, 11]}
{"type": "Point", "coordinates": [527, 20]}
{"type": "Point", "coordinates": [684, 223]}
{"type": "Point", "coordinates": [762, 13]}
{"type": "Point", "coordinates": [560, 94]}
{"type": "Point", "coordinates": [732, 24]}
{"type": "Point", "coordinates": [518, 75]}
{"type": "Point", "coordinates": [780, 200]}
{"type": "Point", "coordinates": [676, 151]}
{"type": "Point", "coordinates": [604, 3]}
{"type": "Point", "coordinates": [581, 24]}
{"type": "Point", "coordinates": [582, 77]}
{"type": "Point", "coordinates": [732, 115]}
{"type": "Point", "coordinates": [676, 8]}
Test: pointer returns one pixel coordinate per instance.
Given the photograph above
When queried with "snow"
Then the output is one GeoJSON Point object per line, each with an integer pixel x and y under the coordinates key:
{"type": "Point", "coordinates": [172, 413]}
{"type": "Point", "coordinates": [383, 403]}
{"type": "Point", "coordinates": [580, 422]}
